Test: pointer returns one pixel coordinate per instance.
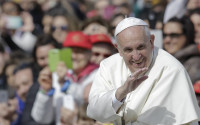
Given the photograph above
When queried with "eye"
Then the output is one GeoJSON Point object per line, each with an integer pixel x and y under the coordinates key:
{"type": "Point", "coordinates": [128, 50]}
{"type": "Point", "coordinates": [141, 47]}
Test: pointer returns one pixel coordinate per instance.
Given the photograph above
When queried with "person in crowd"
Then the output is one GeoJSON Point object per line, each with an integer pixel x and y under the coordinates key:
{"type": "Point", "coordinates": [42, 47]}
{"type": "Point", "coordinates": [17, 27]}
{"type": "Point", "coordinates": [141, 84]}
{"type": "Point", "coordinates": [23, 78]}
{"type": "Point", "coordinates": [102, 47]}
{"type": "Point", "coordinates": [8, 114]}
{"type": "Point", "coordinates": [178, 40]}
{"type": "Point", "coordinates": [192, 4]}
{"type": "Point", "coordinates": [64, 88]}
{"type": "Point", "coordinates": [35, 10]}
{"type": "Point", "coordinates": [115, 19]}
{"type": "Point", "coordinates": [197, 91]}
{"type": "Point", "coordinates": [95, 25]}
{"type": "Point", "coordinates": [10, 104]}
{"type": "Point", "coordinates": [61, 25]}
{"type": "Point", "coordinates": [46, 22]}
{"type": "Point", "coordinates": [16, 58]}
{"type": "Point", "coordinates": [4, 57]}
{"type": "Point", "coordinates": [194, 16]}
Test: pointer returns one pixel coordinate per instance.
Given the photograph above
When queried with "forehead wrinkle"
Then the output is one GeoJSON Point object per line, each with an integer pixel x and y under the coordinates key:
{"type": "Point", "coordinates": [132, 34]}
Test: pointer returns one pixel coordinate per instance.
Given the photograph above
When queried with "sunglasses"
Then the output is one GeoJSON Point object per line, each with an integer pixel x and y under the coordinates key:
{"type": "Point", "coordinates": [63, 28]}
{"type": "Point", "coordinates": [98, 54]}
{"type": "Point", "coordinates": [172, 35]}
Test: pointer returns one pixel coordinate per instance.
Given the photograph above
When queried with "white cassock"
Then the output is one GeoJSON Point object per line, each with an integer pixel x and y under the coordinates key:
{"type": "Point", "coordinates": [165, 98]}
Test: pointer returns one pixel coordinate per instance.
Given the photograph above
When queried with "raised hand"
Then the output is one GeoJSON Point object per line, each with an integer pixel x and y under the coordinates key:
{"type": "Point", "coordinates": [61, 71]}
{"type": "Point", "coordinates": [68, 117]}
{"type": "Point", "coordinates": [45, 79]}
{"type": "Point", "coordinates": [131, 83]}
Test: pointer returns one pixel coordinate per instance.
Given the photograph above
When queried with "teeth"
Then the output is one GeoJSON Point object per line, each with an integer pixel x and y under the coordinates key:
{"type": "Point", "coordinates": [137, 62]}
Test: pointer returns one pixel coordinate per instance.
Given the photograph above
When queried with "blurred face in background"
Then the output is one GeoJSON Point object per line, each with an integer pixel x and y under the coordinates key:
{"type": "Point", "coordinates": [173, 37]}
{"type": "Point", "coordinates": [115, 21]}
{"type": "Point", "coordinates": [2, 62]}
{"type": "Point", "coordinates": [95, 28]}
{"type": "Point", "coordinates": [9, 75]}
{"type": "Point", "coordinates": [192, 4]}
{"type": "Point", "coordinates": [100, 6]}
{"type": "Point", "coordinates": [27, 4]}
{"type": "Point", "coordinates": [80, 58]}
{"type": "Point", "coordinates": [100, 51]}
{"type": "Point", "coordinates": [195, 18]}
{"type": "Point", "coordinates": [10, 8]}
{"type": "Point", "coordinates": [59, 28]}
{"type": "Point", "coordinates": [23, 81]}
{"type": "Point", "coordinates": [46, 22]}
{"type": "Point", "coordinates": [42, 54]}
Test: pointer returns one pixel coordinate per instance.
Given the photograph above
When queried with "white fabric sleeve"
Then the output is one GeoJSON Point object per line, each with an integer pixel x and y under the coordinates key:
{"type": "Point", "coordinates": [26, 41]}
{"type": "Point", "coordinates": [115, 103]}
{"type": "Point", "coordinates": [42, 111]}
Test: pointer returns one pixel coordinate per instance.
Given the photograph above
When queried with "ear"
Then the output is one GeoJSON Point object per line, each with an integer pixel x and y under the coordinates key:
{"type": "Point", "coordinates": [152, 38]}
{"type": "Point", "coordinates": [116, 46]}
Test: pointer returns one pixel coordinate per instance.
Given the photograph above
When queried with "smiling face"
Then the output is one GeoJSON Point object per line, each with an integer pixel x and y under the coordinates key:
{"type": "Point", "coordinates": [80, 59]}
{"type": "Point", "coordinates": [23, 81]}
{"type": "Point", "coordinates": [135, 47]}
{"type": "Point", "coordinates": [59, 28]}
{"type": "Point", "coordinates": [173, 38]}
{"type": "Point", "coordinates": [42, 54]}
{"type": "Point", "coordinates": [100, 51]}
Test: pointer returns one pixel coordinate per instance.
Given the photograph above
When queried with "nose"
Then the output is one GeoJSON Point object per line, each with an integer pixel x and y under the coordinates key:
{"type": "Point", "coordinates": [136, 55]}
{"type": "Point", "coordinates": [167, 39]}
{"type": "Point", "coordinates": [45, 62]}
{"type": "Point", "coordinates": [74, 55]}
{"type": "Point", "coordinates": [99, 59]}
{"type": "Point", "coordinates": [22, 93]}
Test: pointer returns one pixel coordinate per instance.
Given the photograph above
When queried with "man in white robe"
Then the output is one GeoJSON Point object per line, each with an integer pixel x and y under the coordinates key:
{"type": "Point", "coordinates": [142, 85]}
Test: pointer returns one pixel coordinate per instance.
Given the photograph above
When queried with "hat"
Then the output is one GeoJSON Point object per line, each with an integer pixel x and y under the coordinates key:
{"type": "Point", "coordinates": [77, 39]}
{"type": "Point", "coordinates": [97, 38]}
{"type": "Point", "coordinates": [128, 22]}
{"type": "Point", "coordinates": [196, 87]}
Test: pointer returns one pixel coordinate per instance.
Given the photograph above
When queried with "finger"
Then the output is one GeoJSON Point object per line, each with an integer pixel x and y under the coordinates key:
{"type": "Point", "coordinates": [137, 82]}
{"type": "Point", "coordinates": [138, 72]}
{"type": "Point", "coordinates": [140, 80]}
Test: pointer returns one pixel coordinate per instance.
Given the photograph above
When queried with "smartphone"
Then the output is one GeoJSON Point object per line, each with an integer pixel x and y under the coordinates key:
{"type": "Point", "coordinates": [66, 57]}
{"type": "Point", "coordinates": [57, 55]}
{"type": "Point", "coordinates": [13, 22]}
{"type": "Point", "coordinates": [3, 96]}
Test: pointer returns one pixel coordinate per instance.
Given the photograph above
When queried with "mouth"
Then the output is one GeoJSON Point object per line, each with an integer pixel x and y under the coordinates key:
{"type": "Point", "coordinates": [138, 63]}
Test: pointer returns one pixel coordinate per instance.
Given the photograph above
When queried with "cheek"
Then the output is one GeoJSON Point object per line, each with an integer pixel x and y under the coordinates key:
{"type": "Point", "coordinates": [93, 58]}
{"type": "Point", "coordinates": [126, 58]}
{"type": "Point", "coordinates": [26, 87]}
{"type": "Point", "coordinates": [40, 61]}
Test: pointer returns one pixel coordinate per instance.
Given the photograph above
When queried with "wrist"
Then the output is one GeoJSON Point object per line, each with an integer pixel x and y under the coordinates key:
{"type": "Point", "coordinates": [61, 81]}
{"type": "Point", "coordinates": [120, 94]}
{"type": "Point", "coordinates": [65, 85]}
{"type": "Point", "coordinates": [49, 92]}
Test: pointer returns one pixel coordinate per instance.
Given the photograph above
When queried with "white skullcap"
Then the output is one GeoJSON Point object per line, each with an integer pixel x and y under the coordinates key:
{"type": "Point", "coordinates": [128, 22]}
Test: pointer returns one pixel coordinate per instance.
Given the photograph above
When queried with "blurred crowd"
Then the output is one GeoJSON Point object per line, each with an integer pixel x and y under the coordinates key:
{"type": "Point", "coordinates": [31, 93]}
